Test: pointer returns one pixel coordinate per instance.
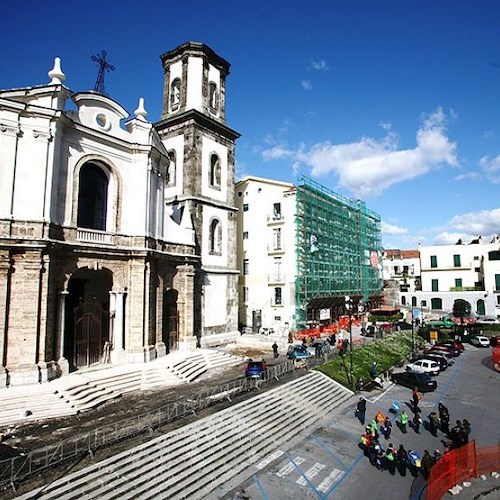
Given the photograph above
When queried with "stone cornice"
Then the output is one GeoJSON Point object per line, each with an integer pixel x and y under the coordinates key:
{"type": "Point", "coordinates": [200, 119]}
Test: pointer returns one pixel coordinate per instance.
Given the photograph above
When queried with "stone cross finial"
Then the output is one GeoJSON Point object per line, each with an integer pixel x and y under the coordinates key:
{"type": "Point", "coordinates": [55, 74]}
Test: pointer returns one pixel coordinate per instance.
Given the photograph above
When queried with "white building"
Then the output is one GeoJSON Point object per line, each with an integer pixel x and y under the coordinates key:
{"type": "Point", "coordinates": [266, 246]}
{"type": "Point", "coordinates": [117, 235]}
{"type": "Point", "coordinates": [463, 271]}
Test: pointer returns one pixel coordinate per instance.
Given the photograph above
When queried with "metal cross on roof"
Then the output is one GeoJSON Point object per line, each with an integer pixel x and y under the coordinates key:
{"type": "Point", "coordinates": [104, 66]}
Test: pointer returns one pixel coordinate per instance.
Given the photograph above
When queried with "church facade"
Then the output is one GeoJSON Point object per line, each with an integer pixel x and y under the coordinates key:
{"type": "Point", "coordinates": [117, 235]}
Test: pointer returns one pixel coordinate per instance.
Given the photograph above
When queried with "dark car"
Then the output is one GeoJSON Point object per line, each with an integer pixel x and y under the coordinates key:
{"type": "Point", "coordinates": [422, 381]}
{"type": "Point", "coordinates": [441, 360]}
{"type": "Point", "coordinates": [255, 368]}
{"type": "Point", "coordinates": [403, 325]}
{"type": "Point", "coordinates": [297, 352]}
{"type": "Point", "coordinates": [444, 348]}
{"type": "Point", "coordinates": [454, 343]}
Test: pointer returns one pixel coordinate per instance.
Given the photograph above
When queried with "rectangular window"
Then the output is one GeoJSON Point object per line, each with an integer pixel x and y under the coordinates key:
{"type": "Point", "coordinates": [277, 211]}
{"type": "Point", "coordinates": [277, 269]}
{"type": "Point", "coordinates": [245, 207]}
{"type": "Point", "coordinates": [277, 296]}
{"type": "Point", "coordinates": [246, 265]}
{"type": "Point", "coordinates": [456, 260]}
{"type": "Point", "coordinates": [277, 318]}
{"type": "Point", "coordinates": [396, 269]}
{"type": "Point", "coordinates": [435, 285]}
{"type": "Point", "coordinates": [277, 239]}
{"type": "Point", "coordinates": [458, 282]}
{"type": "Point", "coordinates": [434, 261]}
{"type": "Point", "coordinates": [497, 282]}
{"type": "Point", "coordinates": [424, 303]}
{"type": "Point", "coordinates": [245, 294]}
{"type": "Point", "coordinates": [245, 235]}
{"type": "Point", "coordinates": [405, 269]}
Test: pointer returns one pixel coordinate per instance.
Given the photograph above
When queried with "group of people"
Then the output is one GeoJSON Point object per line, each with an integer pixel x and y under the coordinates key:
{"type": "Point", "coordinates": [400, 459]}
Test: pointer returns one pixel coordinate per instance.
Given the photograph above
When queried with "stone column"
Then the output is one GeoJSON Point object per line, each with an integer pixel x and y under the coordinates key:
{"type": "Point", "coordinates": [5, 269]}
{"type": "Point", "coordinates": [118, 352]}
{"type": "Point", "coordinates": [184, 283]}
{"type": "Point", "coordinates": [62, 361]}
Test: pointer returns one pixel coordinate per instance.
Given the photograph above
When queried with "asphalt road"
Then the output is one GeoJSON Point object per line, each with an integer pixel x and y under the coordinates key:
{"type": "Point", "coordinates": [329, 464]}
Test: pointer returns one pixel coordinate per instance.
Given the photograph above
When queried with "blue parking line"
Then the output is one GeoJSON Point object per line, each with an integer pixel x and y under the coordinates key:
{"type": "Point", "coordinates": [265, 496]}
{"type": "Point", "coordinates": [344, 476]}
{"type": "Point", "coordinates": [301, 472]}
{"type": "Point", "coordinates": [323, 445]}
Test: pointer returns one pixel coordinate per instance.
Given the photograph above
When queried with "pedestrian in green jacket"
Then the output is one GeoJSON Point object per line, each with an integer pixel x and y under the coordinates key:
{"type": "Point", "coordinates": [403, 421]}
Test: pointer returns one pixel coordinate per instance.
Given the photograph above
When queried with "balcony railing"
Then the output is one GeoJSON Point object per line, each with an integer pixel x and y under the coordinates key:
{"type": "Point", "coordinates": [466, 289]}
{"type": "Point", "coordinates": [93, 236]}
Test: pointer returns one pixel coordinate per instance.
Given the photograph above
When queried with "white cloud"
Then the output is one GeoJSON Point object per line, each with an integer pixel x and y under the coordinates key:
{"type": "Point", "coordinates": [370, 166]}
{"type": "Point", "coordinates": [386, 125]}
{"type": "Point", "coordinates": [392, 229]}
{"type": "Point", "coordinates": [446, 238]}
{"type": "Point", "coordinates": [318, 65]}
{"type": "Point", "coordinates": [491, 168]}
{"type": "Point", "coordinates": [467, 176]}
{"type": "Point", "coordinates": [276, 153]}
{"type": "Point", "coordinates": [306, 85]}
{"type": "Point", "coordinates": [472, 224]}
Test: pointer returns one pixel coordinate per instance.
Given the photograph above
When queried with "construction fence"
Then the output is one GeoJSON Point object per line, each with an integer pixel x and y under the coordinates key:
{"type": "Point", "coordinates": [459, 465]}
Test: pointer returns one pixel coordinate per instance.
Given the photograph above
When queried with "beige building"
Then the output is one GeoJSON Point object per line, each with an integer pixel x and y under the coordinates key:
{"type": "Point", "coordinates": [117, 235]}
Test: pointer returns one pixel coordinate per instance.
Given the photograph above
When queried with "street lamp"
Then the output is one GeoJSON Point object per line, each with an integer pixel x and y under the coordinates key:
{"type": "Point", "coordinates": [412, 328]}
{"type": "Point", "coordinates": [348, 306]}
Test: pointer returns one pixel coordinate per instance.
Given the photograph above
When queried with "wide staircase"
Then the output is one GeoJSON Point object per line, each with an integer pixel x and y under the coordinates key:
{"type": "Point", "coordinates": [85, 390]}
{"type": "Point", "coordinates": [209, 457]}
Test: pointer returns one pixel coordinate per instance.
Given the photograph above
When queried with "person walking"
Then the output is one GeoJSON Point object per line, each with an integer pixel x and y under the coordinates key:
{"type": "Point", "coordinates": [361, 410]}
{"type": "Point", "coordinates": [416, 398]}
{"type": "Point", "coordinates": [416, 421]}
{"type": "Point", "coordinates": [466, 428]}
{"type": "Point", "coordinates": [427, 463]}
{"type": "Point", "coordinates": [275, 349]}
{"type": "Point", "coordinates": [433, 423]}
{"type": "Point", "coordinates": [403, 421]}
{"type": "Point", "coordinates": [390, 459]}
{"type": "Point", "coordinates": [387, 428]}
{"type": "Point", "coordinates": [444, 418]}
{"type": "Point", "coordinates": [402, 460]}
{"type": "Point", "coordinates": [374, 428]}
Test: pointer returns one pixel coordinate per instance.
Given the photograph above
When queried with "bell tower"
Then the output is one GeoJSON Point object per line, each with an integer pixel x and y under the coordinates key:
{"type": "Point", "coordinates": [201, 150]}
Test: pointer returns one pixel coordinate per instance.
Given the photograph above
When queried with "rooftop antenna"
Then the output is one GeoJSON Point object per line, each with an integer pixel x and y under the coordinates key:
{"type": "Point", "coordinates": [104, 66]}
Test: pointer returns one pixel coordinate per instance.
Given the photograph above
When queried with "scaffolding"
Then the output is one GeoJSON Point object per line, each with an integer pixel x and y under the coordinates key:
{"type": "Point", "coordinates": [338, 244]}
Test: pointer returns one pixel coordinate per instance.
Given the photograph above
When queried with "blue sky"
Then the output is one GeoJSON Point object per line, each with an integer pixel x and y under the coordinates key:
{"type": "Point", "coordinates": [393, 102]}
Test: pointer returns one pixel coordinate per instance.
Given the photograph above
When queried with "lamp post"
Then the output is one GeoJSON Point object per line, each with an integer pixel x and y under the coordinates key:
{"type": "Point", "coordinates": [348, 306]}
{"type": "Point", "coordinates": [412, 328]}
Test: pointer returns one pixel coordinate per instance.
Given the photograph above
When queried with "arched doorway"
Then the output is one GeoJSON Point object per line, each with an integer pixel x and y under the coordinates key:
{"type": "Point", "coordinates": [170, 333]}
{"type": "Point", "coordinates": [87, 317]}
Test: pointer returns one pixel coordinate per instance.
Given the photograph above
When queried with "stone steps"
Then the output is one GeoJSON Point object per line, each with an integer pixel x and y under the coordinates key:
{"type": "Point", "coordinates": [198, 460]}
{"type": "Point", "coordinates": [83, 391]}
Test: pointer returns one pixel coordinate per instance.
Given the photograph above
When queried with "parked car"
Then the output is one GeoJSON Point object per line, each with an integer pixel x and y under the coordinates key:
{"type": "Point", "coordinates": [319, 345]}
{"type": "Point", "coordinates": [438, 358]}
{"type": "Point", "coordinates": [454, 343]}
{"type": "Point", "coordinates": [449, 357]}
{"type": "Point", "coordinates": [422, 381]}
{"type": "Point", "coordinates": [480, 341]}
{"type": "Point", "coordinates": [255, 368]}
{"type": "Point", "coordinates": [297, 351]}
{"type": "Point", "coordinates": [403, 325]}
{"type": "Point", "coordinates": [444, 348]}
{"type": "Point", "coordinates": [424, 366]}
{"type": "Point", "coordinates": [487, 320]}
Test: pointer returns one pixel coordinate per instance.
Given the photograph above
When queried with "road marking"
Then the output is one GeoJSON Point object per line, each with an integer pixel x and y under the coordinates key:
{"type": "Point", "coordinates": [310, 474]}
{"type": "Point", "coordinates": [327, 483]}
{"type": "Point", "coordinates": [289, 467]}
{"type": "Point", "coordinates": [269, 459]}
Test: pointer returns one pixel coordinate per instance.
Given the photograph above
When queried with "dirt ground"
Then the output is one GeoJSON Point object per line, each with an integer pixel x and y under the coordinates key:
{"type": "Point", "coordinates": [30, 436]}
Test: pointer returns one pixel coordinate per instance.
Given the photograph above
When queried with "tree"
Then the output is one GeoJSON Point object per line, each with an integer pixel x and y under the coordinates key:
{"type": "Point", "coordinates": [461, 308]}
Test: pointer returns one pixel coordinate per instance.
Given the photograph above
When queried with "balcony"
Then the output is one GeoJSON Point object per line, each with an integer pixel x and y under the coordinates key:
{"type": "Point", "coordinates": [95, 237]}
{"type": "Point", "coordinates": [467, 289]}
{"type": "Point", "coordinates": [275, 219]}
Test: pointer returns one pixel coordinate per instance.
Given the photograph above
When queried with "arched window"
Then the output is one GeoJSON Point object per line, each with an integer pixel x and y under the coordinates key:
{"type": "Point", "coordinates": [215, 237]}
{"type": "Point", "coordinates": [175, 93]}
{"type": "Point", "coordinates": [215, 171]}
{"type": "Point", "coordinates": [92, 197]}
{"type": "Point", "coordinates": [171, 168]}
{"type": "Point", "coordinates": [436, 303]}
{"type": "Point", "coordinates": [403, 300]}
{"type": "Point", "coordinates": [213, 96]}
